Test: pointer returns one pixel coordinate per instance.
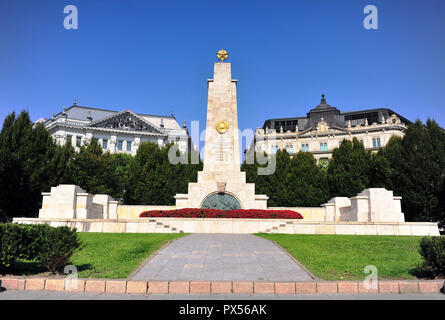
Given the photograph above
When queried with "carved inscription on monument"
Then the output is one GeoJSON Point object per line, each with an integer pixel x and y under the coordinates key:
{"type": "Point", "coordinates": [222, 148]}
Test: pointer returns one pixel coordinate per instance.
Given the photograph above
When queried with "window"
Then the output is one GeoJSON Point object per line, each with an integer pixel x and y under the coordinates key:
{"type": "Point", "coordinates": [362, 142]}
{"type": "Point", "coordinates": [128, 145]}
{"type": "Point", "coordinates": [376, 143]}
{"type": "Point", "coordinates": [274, 149]}
{"type": "Point", "coordinates": [78, 141]}
{"type": "Point", "coordinates": [69, 139]}
{"type": "Point", "coordinates": [305, 147]}
{"type": "Point", "coordinates": [120, 144]}
{"type": "Point", "coordinates": [290, 149]}
{"type": "Point", "coordinates": [105, 144]}
{"type": "Point", "coordinates": [323, 146]}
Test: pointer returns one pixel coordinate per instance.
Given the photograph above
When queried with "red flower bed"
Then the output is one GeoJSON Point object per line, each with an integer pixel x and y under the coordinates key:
{"type": "Point", "coordinates": [215, 213]}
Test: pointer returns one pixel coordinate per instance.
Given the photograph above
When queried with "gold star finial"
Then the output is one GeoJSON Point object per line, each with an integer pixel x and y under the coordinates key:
{"type": "Point", "coordinates": [222, 55]}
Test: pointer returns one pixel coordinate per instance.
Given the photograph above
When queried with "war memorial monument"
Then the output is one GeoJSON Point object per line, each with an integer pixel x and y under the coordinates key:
{"type": "Point", "coordinates": [222, 185]}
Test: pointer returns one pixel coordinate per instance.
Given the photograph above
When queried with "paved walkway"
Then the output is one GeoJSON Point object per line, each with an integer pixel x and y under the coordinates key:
{"type": "Point", "coordinates": [222, 257]}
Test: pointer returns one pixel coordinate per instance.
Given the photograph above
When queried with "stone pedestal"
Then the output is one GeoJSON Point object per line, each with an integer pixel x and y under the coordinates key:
{"type": "Point", "coordinates": [335, 209]}
{"type": "Point", "coordinates": [68, 201]}
{"type": "Point", "coordinates": [222, 154]}
{"type": "Point", "coordinates": [383, 205]}
{"type": "Point", "coordinates": [371, 205]}
{"type": "Point", "coordinates": [61, 202]}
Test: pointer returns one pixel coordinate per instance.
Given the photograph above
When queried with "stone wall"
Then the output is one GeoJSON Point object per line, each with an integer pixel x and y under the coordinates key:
{"type": "Point", "coordinates": [133, 211]}
{"type": "Point", "coordinates": [71, 202]}
{"type": "Point", "coordinates": [374, 211]}
{"type": "Point", "coordinates": [249, 226]}
{"type": "Point", "coordinates": [308, 213]}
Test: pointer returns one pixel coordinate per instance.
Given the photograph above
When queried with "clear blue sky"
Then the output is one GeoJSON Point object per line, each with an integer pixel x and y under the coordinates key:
{"type": "Point", "coordinates": [155, 56]}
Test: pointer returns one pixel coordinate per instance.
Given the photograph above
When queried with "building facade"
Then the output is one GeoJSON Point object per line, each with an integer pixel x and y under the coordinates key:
{"type": "Point", "coordinates": [325, 127]}
{"type": "Point", "coordinates": [115, 131]}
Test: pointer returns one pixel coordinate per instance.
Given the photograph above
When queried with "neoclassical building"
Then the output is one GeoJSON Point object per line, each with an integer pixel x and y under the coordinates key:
{"type": "Point", "coordinates": [325, 127]}
{"type": "Point", "coordinates": [116, 131]}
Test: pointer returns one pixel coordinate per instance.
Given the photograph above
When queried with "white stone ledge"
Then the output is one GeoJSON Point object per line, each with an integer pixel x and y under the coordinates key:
{"type": "Point", "coordinates": [239, 225]}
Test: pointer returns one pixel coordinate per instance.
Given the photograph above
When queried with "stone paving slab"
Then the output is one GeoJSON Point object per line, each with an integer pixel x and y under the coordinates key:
{"type": "Point", "coordinates": [225, 257]}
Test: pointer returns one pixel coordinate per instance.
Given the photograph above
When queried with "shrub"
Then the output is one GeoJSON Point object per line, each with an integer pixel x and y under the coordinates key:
{"type": "Point", "coordinates": [34, 235]}
{"type": "Point", "coordinates": [50, 247]}
{"type": "Point", "coordinates": [432, 250]}
{"type": "Point", "coordinates": [215, 213]}
{"type": "Point", "coordinates": [11, 244]}
{"type": "Point", "coordinates": [56, 247]}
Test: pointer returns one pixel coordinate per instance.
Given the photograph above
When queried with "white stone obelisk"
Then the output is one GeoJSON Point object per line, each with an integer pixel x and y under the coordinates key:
{"type": "Point", "coordinates": [221, 154]}
{"type": "Point", "coordinates": [222, 172]}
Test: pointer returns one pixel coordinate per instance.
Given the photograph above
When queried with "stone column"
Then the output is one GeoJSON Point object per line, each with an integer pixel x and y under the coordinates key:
{"type": "Point", "coordinates": [136, 144]}
{"type": "Point", "coordinates": [112, 144]}
{"type": "Point", "coordinates": [88, 138]}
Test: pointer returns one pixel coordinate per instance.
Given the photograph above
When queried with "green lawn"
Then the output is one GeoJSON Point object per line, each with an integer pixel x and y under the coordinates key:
{"type": "Point", "coordinates": [107, 255]}
{"type": "Point", "coordinates": [343, 257]}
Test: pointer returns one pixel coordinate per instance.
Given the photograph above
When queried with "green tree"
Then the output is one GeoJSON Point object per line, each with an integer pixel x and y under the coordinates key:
{"type": "Point", "coordinates": [30, 163]}
{"type": "Point", "coordinates": [414, 168]}
{"type": "Point", "coordinates": [120, 164]}
{"type": "Point", "coordinates": [296, 181]}
{"type": "Point", "coordinates": [306, 182]}
{"type": "Point", "coordinates": [95, 171]}
{"type": "Point", "coordinates": [154, 180]}
{"type": "Point", "coordinates": [272, 185]}
{"type": "Point", "coordinates": [349, 169]}
{"type": "Point", "coordinates": [383, 174]}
